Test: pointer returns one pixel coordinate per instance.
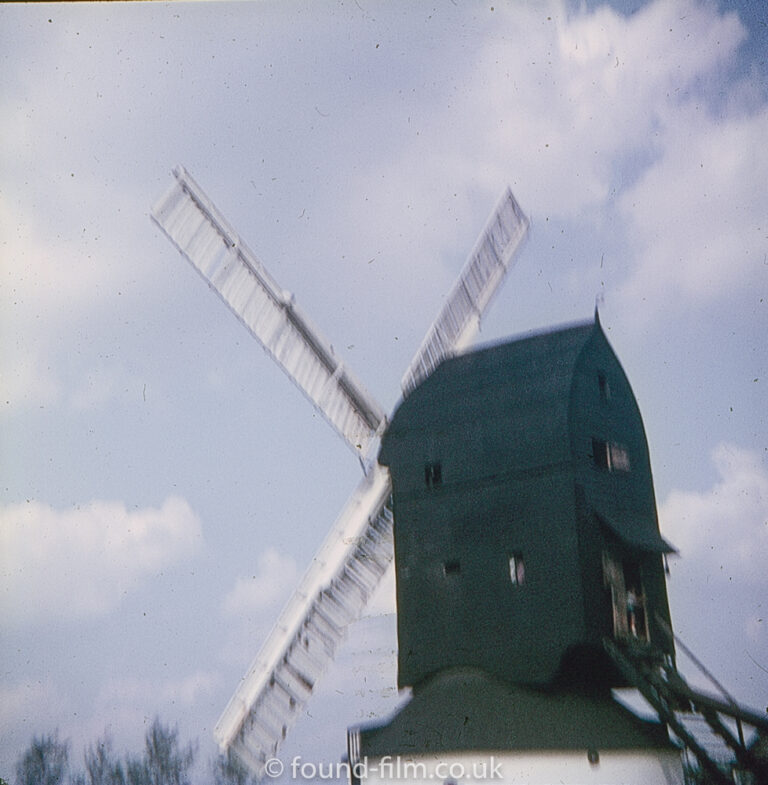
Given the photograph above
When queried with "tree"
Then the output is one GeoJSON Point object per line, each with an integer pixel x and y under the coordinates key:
{"type": "Point", "coordinates": [45, 762]}
{"type": "Point", "coordinates": [227, 770]}
{"type": "Point", "coordinates": [164, 761]}
{"type": "Point", "coordinates": [101, 767]}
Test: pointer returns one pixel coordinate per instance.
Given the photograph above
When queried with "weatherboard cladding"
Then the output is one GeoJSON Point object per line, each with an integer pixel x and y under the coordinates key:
{"type": "Point", "coordinates": [511, 401]}
{"type": "Point", "coordinates": [465, 710]}
{"type": "Point", "coordinates": [491, 457]}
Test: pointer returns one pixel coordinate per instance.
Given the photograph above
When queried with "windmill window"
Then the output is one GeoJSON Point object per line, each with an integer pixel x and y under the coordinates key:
{"type": "Point", "coordinates": [600, 453]}
{"type": "Point", "coordinates": [433, 475]}
{"type": "Point", "coordinates": [610, 456]}
{"type": "Point", "coordinates": [628, 599]}
{"type": "Point", "coordinates": [517, 569]}
{"type": "Point", "coordinates": [451, 567]}
{"type": "Point", "coordinates": [634, 601]}
{"type": "Point", "coordinates": [619, 458]}
{"type": "Point", "coordinates": [604, 387]}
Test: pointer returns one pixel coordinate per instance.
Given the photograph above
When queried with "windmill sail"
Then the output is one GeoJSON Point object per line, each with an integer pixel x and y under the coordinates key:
{"type": "Point", "coordinates": [358, 549]}
{"type": "Point", "coordinates": [332, 594]}
{"type": "Point", "coordinates": [459, 319]}
{"type": "Point", "coordinates": [204, 237]}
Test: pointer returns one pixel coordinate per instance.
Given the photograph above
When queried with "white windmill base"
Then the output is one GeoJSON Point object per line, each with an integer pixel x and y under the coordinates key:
{"type": "Point", "coordinates": [633, 767]}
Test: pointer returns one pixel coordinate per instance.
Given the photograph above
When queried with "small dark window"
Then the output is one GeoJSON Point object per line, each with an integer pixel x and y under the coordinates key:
{"type": "Point", "coordinates": [433, 475]}
{"type": "Point", "coordinates": [452, 567]}
{"type": "Point", "coordinates": [600, 453]}
{"type": "Point", "coordinates": [604, 387]}
{"type": "Point", "coordinates": [517, 568]}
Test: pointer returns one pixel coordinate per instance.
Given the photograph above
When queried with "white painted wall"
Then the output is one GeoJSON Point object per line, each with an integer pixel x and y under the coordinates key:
{"type": "Point", "coordinates": [612, 768]}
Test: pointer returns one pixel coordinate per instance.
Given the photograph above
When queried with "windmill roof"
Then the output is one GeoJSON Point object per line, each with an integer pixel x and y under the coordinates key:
{"type": "Point", "coordinates": [466, 709]}
{"type": "Point", "coordinates": [528, 378]}
{"type": "Point", "coordinates": [643, 539]}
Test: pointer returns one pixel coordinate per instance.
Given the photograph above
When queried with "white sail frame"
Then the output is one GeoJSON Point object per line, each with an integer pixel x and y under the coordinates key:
{"type": "Point", "coordinates": [203, 236]}
{"type": "Point", "coordinates": [332, 594]}
{"type": "Point", "coordinates": [459, 319]}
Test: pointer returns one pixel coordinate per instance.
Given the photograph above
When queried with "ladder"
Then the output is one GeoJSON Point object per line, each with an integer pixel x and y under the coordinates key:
{"type": "Point", "coordinates": [677, 703]}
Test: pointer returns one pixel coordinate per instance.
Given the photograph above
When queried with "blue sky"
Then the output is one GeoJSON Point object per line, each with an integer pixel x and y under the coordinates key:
{"type": "Point", "coordinates": [164, 486]}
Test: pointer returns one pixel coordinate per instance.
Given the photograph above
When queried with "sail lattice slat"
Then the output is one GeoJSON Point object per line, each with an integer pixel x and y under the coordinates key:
{"type": "Point", "coordinates": [202, 235]}
{"type": "Point", "coordinates": [459, 319]}
{"type": "Point", "coordinates": [332, 594]}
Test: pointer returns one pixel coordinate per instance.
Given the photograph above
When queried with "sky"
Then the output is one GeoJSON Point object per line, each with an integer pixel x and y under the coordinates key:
{"type": "Point", "coordinates": [163, 486]}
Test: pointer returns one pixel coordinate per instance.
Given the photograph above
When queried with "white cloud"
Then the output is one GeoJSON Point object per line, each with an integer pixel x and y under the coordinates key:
{"type": "Point", "coordinates": [48, 287]}
{"type": "Point", "coordinates": [583, 102]}
{"type": "Point", "coordinates": [698, 215]}
{"type": "Point", "coordinates": [79, 562]}
{"type": "Point", "coordinates": [724, 528]}
{"type": "Point", "coordinates": [267, 589]}
{"type": "Point", "coordinates": [612, 89]}
{"type": "Point", "coordinates": [718, 586]}
{"type": "Point", "coordinates": [252, 606]}
{"type": "Point", "coordinates": [45, 278]}
{"type": "Point", "coordinates": [27, 379]}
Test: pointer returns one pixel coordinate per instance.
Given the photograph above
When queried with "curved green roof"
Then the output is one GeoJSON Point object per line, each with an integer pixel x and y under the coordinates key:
{"type": "Point", "coordinates": [527, 380]}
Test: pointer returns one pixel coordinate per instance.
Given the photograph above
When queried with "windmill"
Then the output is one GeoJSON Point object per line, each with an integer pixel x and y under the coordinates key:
{"type": "Point", "coordinates": [358, 549]}
{"type": "Point", "coordinates": [530, 567]}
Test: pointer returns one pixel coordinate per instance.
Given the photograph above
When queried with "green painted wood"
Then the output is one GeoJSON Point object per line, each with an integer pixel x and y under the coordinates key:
{"type": "Point", "coordinates": [466, 710]}
{"type": "Point", "coordinates": [501, 454]}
